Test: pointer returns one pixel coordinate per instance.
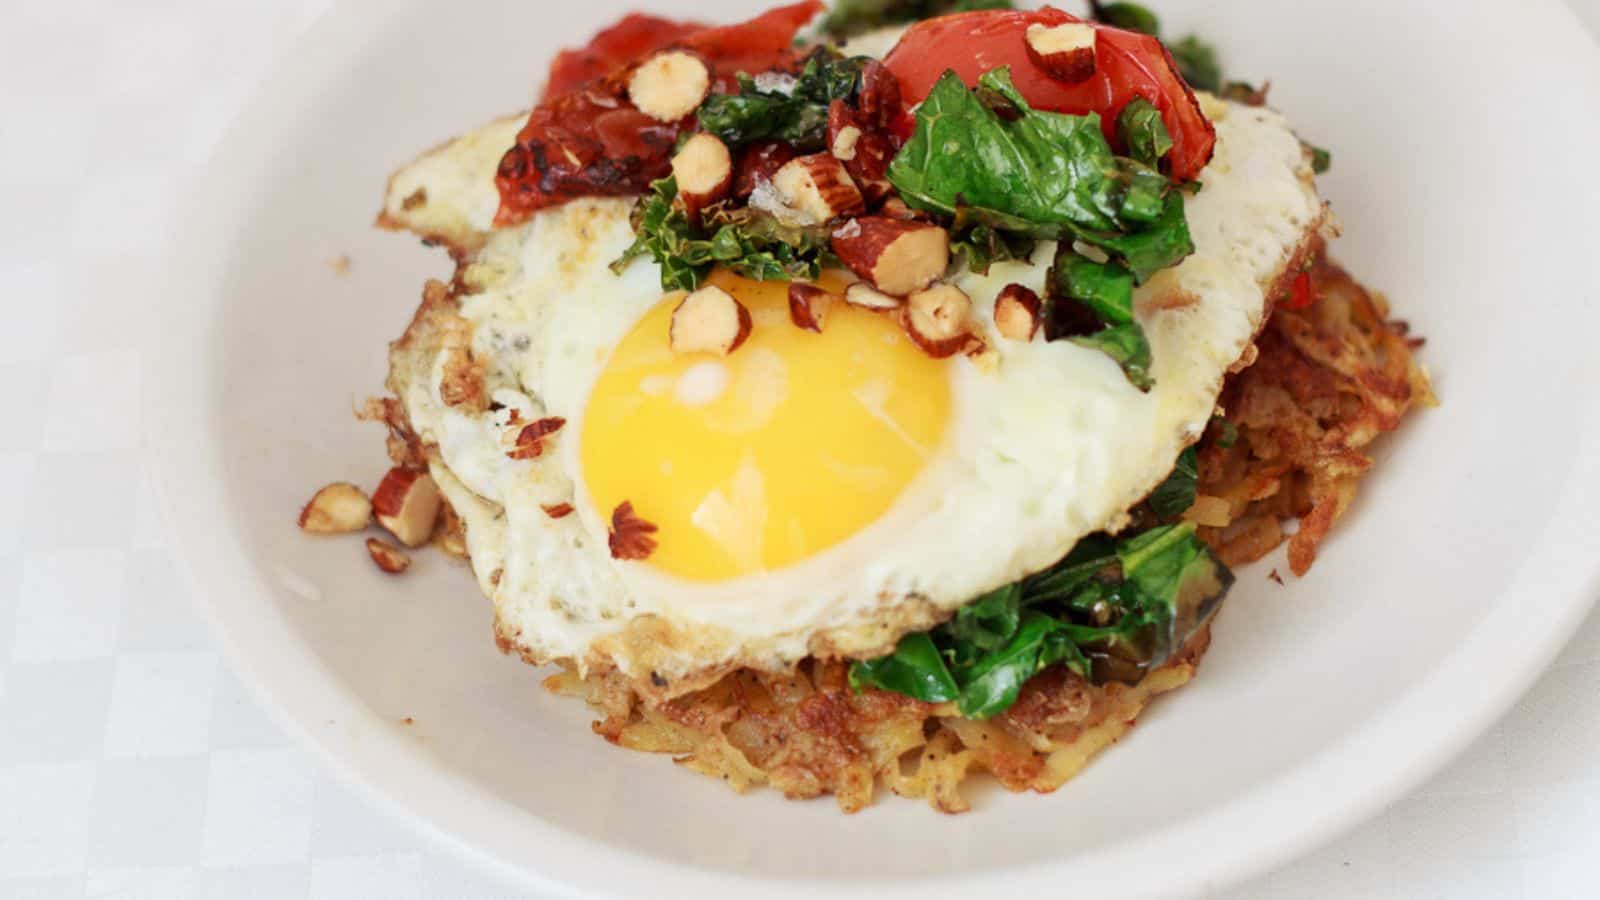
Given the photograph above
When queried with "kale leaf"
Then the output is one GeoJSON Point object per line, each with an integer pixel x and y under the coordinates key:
{"type": "Point", "coordinates": [850, 17]}
{"type": "Point", "coordinates": [1132, 16]}
{"type": "Point", "coordinates": [1141, 130]}
{"type": "Point", "coordinates": [1176, 494]}
{"type": "Point", "coordinates": [1109, 610]}
{"type": "Point", "coordinates": [1002, 168]}
{"type": "Point", "coordinates": [1039, 174]}
{"type": "Point", "coordinates": [1197, 63]}
{"type": "Point", "coordinates": [747, 241]}
{"type": "Point", "coordinates": [795, 113]}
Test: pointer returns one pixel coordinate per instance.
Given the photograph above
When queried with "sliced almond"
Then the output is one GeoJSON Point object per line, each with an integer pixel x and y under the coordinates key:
{"type": "Point", "coordinates": [897, 256]}
{"type": "Point", "coordinates": [1016, 313]}
{"type": "Point", "coordinates": [670, 85]}
{"type": "Point", "coordinates": [703, 168]}
{"type": "Point", "coordinates": [868, 297]}
{"type": "Point", "coordinates": [809, 305]}
{"type": "Point", "coordinates": [389, 558]}
{"type": "Point", "coordinates": [407, 505]}
{"type": "Point", "coordinates": [1065, 52]}
{"type": "Point", "coordinates": [937, 319]}
{"type": "Point", "coordinates": [818, 188]}
{"type": "Point", "coordinates": [708, 320]}
{"type": "Point", "coordinates": [338, 508]}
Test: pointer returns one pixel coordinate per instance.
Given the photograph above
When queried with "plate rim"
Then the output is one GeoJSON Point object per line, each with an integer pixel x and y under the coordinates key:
{"type": "Point", "coordinates": [187, 473]}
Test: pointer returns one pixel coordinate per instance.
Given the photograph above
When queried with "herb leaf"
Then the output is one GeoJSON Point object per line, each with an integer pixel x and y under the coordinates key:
{"type": "Point", "coordinates": [796, 114]}
{"type": "Point", "coordinates": [1037, 175]}
{"type": "Point", "coordinates": [1108, 610]}
{"type": "Point", "coordinates": [1197, 63]}
{"type": "Point", "coordinates": [747, 241]}
{"type": "Point", "coordinates": [1131, 16]}
{"type": "Point", "coordinates": [850, 17]}
{"type": "Point", "coordinates": [1141, 130]}
{"type": "Point", "coordinates": [1176, 494]}
{"type": "Point", "coordinates": [915, 669]}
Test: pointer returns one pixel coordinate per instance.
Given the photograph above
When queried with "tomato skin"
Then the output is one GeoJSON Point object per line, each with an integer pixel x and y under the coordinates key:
{"type": "Point", "coordinates": [633, 37]}
{"type": "Point", "coordinates": [590, 141]}
{"type": "Point", "coordinates": [1127, 65]}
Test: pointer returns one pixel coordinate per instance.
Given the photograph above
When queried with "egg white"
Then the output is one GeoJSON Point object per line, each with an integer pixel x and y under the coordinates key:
{"type": "Point", "coordinates": [1048, 441]}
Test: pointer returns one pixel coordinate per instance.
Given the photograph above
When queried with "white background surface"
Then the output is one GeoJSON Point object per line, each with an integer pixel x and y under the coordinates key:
{"type": "Point", "coordinates": [131, 762]}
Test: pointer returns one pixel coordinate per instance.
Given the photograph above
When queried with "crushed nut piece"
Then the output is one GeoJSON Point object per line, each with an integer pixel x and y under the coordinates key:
{"type": "Point", "coordinates": [407, 504]}
{"type": "Point", "coordinates": [530, 440]}
{"type": "Point", "coordinates": [630, 535]}
{"type": "Point", "coordinates": [389, 558]}
{"type": "Point", "coordinates": [338, 508]}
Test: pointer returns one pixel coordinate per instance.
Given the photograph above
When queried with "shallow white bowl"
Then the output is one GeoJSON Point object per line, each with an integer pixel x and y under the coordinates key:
{"type": "Point", "coordinates": [1463, 144]}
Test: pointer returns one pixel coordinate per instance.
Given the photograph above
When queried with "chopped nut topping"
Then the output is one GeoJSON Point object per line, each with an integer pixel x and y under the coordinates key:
{"type": "Point", "coordinates": [389, 558]}
{"type": "Point", "coordinates": [630, 535]}
{"type": "Point", "coordinates": [338, 508]}
{"type": "Point", "coordinates": [530, 440]}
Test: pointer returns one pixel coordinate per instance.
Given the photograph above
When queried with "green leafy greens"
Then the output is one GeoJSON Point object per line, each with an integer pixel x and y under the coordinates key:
{"type": "Point", "coordinates": [850, 17]}
{"type": "Point", "coordinates": [747, 241]}
{"type": "Point", "coordinates": [989, 159]}
{"type": "Point", "coordinates": [797, 114]}
{"type": "Point", "coordinates": [1110, 610]}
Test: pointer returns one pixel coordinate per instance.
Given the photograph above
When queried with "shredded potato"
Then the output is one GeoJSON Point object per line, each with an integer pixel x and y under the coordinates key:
{"type": "Point", "coordinates": [1328, 380]}
{"type": "Point", "coordinates": [1324, 383]}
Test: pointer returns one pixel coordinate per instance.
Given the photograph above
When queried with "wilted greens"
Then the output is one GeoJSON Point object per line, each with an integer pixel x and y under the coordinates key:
{"type": "Point", "coordinates": [850, 17]}
{"type": "Point", "coordinates": [747, 241]}
{"type": "Point", "coordinates": [797, 116]}
{"type": "Point", "coordinates": [989, 159]}
{"type": "Point", "coordinates": [1109, 611]}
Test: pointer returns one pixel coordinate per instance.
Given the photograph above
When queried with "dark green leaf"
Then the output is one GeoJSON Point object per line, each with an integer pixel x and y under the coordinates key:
{"type": "Point", "coordinates": [746, 241]}
{"type": "Point", "coordinates": [1038, 175]}
{"type": "Point", "coordinates": [992, 685]}
{"type": "Point", "coordinates": [987, 622]}
{"type": "Point", "coordinates": [798, 117]}
{"type": "Point", "coordinates": [1321, 160]}
{"type": "Point", "coordinates": [850, 17]}
{"type": "Point", "coordinates": [1132, 16]}
{"type": "Point", "coordinates": [1141, 130]}
{"type": "Point", "coordinates": [1149, 250]}
{"type": "Point", "coordinates": [1197, 63]}
{"type": "Point", "coordinates": [1108, 611]}
{"type": "Point", "coordinates": [1105, 287]}
{"type": "Point", "coordinates": [1126, 345]}
{"type": "Point", "coordinates": [1088, 558]}
{"type": "Point", "coordinates": [1175, 495]}
{"type": "Point", "coordinates": [915, 669]}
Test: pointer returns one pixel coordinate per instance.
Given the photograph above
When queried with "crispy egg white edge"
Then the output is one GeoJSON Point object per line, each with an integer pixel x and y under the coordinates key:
{"type": "Point", "coordinates": [1077, 445]}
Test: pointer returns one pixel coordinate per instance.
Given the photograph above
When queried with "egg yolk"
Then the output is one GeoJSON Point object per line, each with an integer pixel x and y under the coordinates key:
{"type": "Point", "coordinates": [759, 459]}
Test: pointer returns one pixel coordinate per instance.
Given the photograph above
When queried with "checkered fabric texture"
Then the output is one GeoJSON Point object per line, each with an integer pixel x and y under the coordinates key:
{"type": "Point", "coordinates": [132, 764]}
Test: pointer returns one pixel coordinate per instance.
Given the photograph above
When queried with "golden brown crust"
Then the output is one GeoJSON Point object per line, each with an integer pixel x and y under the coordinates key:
{"type": "Point", "coordinates": [806, 733]}
{"type": "Point", "coordinates": [1328, 380]}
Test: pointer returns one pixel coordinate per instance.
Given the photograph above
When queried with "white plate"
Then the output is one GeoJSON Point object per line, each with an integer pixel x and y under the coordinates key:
{"type": "Point", "coordinates": [1463, 145]}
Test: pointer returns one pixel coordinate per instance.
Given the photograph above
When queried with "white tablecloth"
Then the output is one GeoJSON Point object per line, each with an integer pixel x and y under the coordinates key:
{"type": "Point", "coordinates": [113, 701]}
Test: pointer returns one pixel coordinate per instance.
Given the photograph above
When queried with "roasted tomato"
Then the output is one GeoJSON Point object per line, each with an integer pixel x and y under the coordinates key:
{"type": "Point", "coordinates": [590, 141]}
{"type": "Point", "coordinates": [633, 38]}
{"type": "Point", "coordinates": [1127, 65]}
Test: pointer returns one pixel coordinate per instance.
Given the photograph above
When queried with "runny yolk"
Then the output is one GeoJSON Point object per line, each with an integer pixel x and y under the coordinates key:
{"type": "Point", "coordinates": [750, 462]}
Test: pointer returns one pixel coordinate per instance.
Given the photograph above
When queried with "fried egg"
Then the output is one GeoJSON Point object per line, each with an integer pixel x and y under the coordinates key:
{"type": "Point", "coordinates": [812, 493]}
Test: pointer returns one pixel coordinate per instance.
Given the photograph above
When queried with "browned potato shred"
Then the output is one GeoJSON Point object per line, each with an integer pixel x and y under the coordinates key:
{"type": "Point", "coordinates": [1327, 381]}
